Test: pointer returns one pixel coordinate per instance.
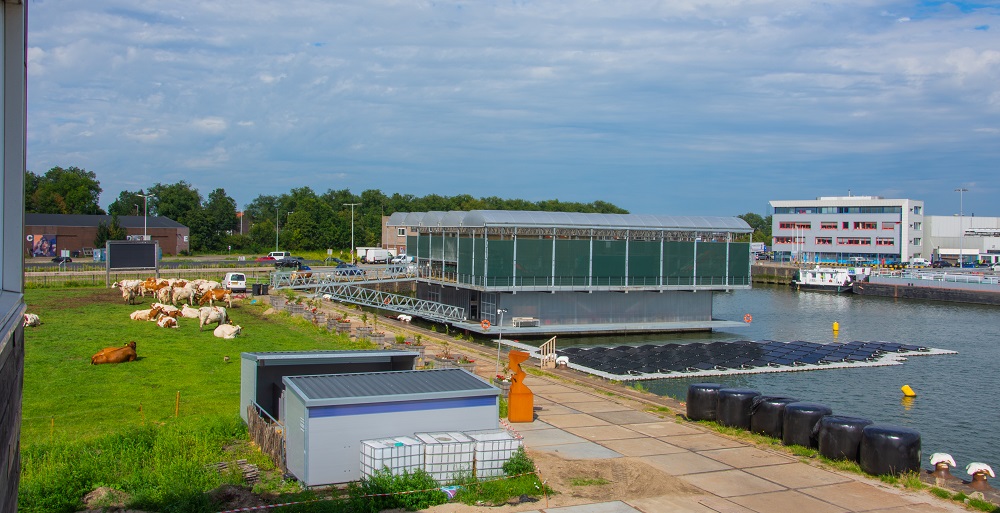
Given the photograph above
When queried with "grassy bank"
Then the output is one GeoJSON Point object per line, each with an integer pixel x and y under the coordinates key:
{"type": "Point", "coordinates": [86, 426]}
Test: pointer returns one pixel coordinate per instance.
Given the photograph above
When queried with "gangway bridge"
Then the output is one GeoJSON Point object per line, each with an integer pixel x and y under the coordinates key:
{"type": "Point", "coordinates": [351, 286]}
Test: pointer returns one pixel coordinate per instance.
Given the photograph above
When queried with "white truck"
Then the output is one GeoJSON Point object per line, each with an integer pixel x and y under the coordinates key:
{"type": "Point", "coordinates": [377, 256]}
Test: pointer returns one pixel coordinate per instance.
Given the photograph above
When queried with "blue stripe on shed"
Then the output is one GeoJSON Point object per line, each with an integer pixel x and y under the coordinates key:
{"type": "Point", "coordinates": [400, 406]}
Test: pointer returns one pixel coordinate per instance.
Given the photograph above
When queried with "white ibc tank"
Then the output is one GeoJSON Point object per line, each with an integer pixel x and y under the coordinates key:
{"type": "Point", "coordinates": [447, 455]}
{"type": "Point", "coordinates": [399, 454]}
{"type": "Point", "coordinates": [493, 448]}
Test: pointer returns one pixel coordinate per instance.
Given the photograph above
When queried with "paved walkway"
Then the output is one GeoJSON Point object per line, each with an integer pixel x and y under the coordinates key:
{"type": "Point", "coordinates": [735, 477]}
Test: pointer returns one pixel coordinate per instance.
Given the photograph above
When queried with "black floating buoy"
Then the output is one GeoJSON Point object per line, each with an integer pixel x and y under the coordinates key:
{"type": "Point", "coordinates": [798, 423]}
{"type": "Point", "coordinates": [767, 413]}
{"type": "Point", "coordinates": [702, 401]}
{"type": "Point", "coordinates": [839, 437]}
{"type": "Point", "coordinates": [889, 449]}
{"type": "Point", "coordinates": [734, 407]}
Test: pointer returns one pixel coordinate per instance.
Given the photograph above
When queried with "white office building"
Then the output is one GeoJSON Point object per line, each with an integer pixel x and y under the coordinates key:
{"type": "Point", "coordinates": [848, 229]}
{"type": "Point", "coordinates": [976, 239]}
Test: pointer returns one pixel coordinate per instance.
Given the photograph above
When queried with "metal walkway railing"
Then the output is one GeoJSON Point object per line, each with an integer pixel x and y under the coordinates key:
{"type": "Point", "coordinates": [350, 289]}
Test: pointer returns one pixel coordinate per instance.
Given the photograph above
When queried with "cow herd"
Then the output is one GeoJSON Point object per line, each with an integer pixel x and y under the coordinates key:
{"type": "Point", "coordinates": [196, 300]}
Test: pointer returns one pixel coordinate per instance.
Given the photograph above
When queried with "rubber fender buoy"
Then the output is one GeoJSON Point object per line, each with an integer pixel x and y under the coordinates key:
{"type": "Point", "coordinates": [889, 449]}
{"type": "Point", "coordinates": [798, 423]}
{"type": "Point", "coordinates": [839, 437]}
{"type": "Point", "coordinates": [702, 401]}
{"type": "Point", "coordinates": [734, 407]}
{"type": "Point", "coordinates": [907, 391]}
{"type": "Point", "coordinates": [767, 414]}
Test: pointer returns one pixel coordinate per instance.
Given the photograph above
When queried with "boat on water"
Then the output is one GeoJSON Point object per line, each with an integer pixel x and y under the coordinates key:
{"type": "Point", "coordinates": [825, 279]}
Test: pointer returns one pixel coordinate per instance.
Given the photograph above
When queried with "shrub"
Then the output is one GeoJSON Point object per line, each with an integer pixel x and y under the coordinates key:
{"type": "Point", "coordinates": [367, 494]}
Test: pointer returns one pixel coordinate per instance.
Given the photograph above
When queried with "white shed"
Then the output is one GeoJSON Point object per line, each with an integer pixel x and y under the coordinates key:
{"type": "Point", "coordinates": [327, 417]}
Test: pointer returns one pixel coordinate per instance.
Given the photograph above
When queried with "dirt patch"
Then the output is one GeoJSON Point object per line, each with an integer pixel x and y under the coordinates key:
{"type": "Point", "coordinates": [575, 482]}
{"type": "Point", "coordinates": [71, 299]}
{"type": "Point", "coordinates": [228, 497]}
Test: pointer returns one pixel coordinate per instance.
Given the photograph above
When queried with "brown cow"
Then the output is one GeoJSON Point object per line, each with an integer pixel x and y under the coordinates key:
{"type": "Point", "coordinates": [217, 295]}
{"type": "Point", "coordinates": [125, 353]}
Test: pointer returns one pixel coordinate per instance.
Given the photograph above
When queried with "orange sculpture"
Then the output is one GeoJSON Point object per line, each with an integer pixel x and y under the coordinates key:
{"type": "Point", "coordinates": [521, 405]}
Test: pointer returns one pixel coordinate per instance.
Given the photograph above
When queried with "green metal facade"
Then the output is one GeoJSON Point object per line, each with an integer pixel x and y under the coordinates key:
{"type": "Point", "coordinates": [582, 263]}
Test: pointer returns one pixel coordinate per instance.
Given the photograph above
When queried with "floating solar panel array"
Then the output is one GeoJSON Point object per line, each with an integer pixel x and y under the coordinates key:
{"type": "Point", "coordinates": [741, 357]}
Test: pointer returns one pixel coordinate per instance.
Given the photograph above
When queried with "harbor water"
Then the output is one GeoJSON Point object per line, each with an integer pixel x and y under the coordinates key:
{"type": "Point", "coordinates": [955, 410]}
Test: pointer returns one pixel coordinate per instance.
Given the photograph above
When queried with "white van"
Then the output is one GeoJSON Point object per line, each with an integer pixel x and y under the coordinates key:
{"type": "Point", "coordinates": [919, 262]}
{"type": "Point", "coordinates": [377, 256]}
{"type": "Point", "coordinates": [236, 282]}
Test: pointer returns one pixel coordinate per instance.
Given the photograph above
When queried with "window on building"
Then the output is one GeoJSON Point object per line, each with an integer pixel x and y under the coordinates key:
{"type": "Point", "coordinates": [846, 225]}
{"type": "Point", "coordinates": [401, 232]}
{"type": "Point", "coordinates": [888, 225]}
{"type": "Point", "coordinates": [865, 225]}
{"type": "Point", "coordinates": [917, 210]}
{"type": "Point", "coordinates": [916, 226]}
{"type": "Point", "coordinates": [824, 241]}
{"type": "Point", "coordinates": [789, 240]}
{"type": "Point", "coordinates": [788, 225]}
{"type": "Point", "coordinates": [916, 241]}
{"type": "Point", "coordinates": [885, 241]}
{"type": "Point", "coordinates": [854, 241]}
{"type": "Point", "coordinates": [828, 225]}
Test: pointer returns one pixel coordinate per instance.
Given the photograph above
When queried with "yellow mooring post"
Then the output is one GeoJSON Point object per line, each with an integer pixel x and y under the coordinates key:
{"type": "Point", "coordinates": [836, 326]}
{"type": "Point", "coordinates": [907, 391]}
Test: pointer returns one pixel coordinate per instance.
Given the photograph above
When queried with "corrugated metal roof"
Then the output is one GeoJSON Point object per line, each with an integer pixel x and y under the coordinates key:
{"type": "Point", "coordinates": [375, 387]}
{"type": "Point", "coordinates": [296, 357]}
{"type": "Point", "coordinates": [483, 218]}
{"type": "Point", "coordinates": [93, 221]}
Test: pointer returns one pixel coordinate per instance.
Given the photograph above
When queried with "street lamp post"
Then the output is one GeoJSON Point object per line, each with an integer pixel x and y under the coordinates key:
{"type": "Point", "coordinates": [353, 252]}
{"type": "Point", "coordinates": [961, 227]}
{"type": "Point", "coordinates": [500, 312]}
{"type": "Point", "coordinates": [145, 211]}
{"type": "Point", "coordinates": [276, 228]}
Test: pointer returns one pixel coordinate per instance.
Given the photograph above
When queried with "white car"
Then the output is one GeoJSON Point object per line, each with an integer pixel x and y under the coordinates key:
{"type": "Point", "coordinates": [401, 258]}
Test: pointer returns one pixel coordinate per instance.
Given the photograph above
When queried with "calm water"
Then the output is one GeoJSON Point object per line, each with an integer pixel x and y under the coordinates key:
{"type": "Point", "coordinates": [955, 409]}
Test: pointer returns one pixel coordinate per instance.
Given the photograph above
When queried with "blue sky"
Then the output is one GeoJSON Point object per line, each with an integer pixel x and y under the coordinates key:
{"type": "Point", "coordinates": [675, 107]}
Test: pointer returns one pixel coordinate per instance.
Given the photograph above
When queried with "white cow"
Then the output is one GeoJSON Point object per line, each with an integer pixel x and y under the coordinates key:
{"type": "Point", "coordinates": [190, 313]}
{"type": "Point", "coordinates": [167, 322]}
{"type": "Point", "coordinates": [32, 320]}
{"type": "Point", "coordinates": [211, 315]}
{"type": "Point", "coordinates": [227, 331]}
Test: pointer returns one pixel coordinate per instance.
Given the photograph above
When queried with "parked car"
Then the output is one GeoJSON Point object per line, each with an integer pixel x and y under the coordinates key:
{"type": "Point", "coordinates": [397, 270]}
{"type": "Point", "coordinates": [941, 263]}
{"type": "Point", "coordinates": [267, 258]}
{"type": "Point", "coordinates": [348, 270]}
{"type": "Point", "coordinates": [236, 282]}
{"type": "Point", "coordinates": [401, 258]}
{"type": "Point", "coordinates": [62, 260]}
{"type": "Point", "coordinates": [292, 263]}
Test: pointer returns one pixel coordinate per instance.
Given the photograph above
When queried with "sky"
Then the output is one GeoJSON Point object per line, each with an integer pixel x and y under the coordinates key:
{"type": "Point", "coordinates": [671, 107]}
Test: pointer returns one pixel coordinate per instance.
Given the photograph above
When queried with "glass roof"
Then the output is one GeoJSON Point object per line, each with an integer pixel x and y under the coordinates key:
{"type": "Point", "coordinates": [524, 218]}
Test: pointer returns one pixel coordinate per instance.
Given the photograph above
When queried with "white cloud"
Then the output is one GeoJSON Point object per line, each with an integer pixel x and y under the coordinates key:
{"type": "Point", "coordinates": [212, 125]}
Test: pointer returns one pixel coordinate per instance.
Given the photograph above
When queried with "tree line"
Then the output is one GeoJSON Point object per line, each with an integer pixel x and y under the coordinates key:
{"type": "Point", "coordinates": [302, 219]}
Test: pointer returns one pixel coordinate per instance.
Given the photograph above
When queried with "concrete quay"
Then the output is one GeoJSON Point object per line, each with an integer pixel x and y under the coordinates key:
{"type": "Point", "coordinates": [683, 466]}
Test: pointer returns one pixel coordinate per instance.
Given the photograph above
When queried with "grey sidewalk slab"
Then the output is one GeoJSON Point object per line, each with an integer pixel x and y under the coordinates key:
{"type": "Point", "coordinates": [530, 426]}
{"type": "Point", "coordinates": [684, 463]}
{"type": "Point", "coordinates": [796, 475]}
{"type": "Point", "coordinates": [599, 507]}
{"type": "Point", "coordinates": [570, 397]}
{"type": "Point", "coordinates": [663, 428]}
{"type": "Point", "coordinates": [574, 420]}
{"type": "Point", "coordinates": [600, 433]}
{"type": "Point", "coordinates": [731, 483]}
{"type": "Point", "coordinates": [580, 451]}
{"type": "Point", "coordinates": [644, 446]}
{"type": "Point", "coordinates": [626, 417]}
{"type": "Point", "coordinates": [552, 436]}
{"type": "Point", "coordinates": [671, 504]}
{"type": "Point", "coordinates": [746, 457]}
{"type": "Point", "coordinates": [786, 500]}
{"type": "Point", "coordinates": [595, 405]}
{"type": "Point", "coordinates": [552, 409]}
{"type": "Point", "coordinates": [857, 496]}
{"type": "Point", "coordinates": [702, 442]}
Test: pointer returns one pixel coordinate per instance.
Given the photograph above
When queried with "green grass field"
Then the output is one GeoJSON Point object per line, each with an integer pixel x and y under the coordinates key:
{"type": "Point", "coordinates": [87, 425]}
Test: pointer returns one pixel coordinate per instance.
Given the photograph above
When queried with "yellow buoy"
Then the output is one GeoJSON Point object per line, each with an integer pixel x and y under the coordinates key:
{"type": "Point", "coordinates": [907, 391]}
{"type": "Point", "coordinates": [836, 326]}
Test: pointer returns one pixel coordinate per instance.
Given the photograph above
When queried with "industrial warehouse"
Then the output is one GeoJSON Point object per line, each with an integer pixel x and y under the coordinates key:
{"type": "Point", "coordinates": [539, 273]}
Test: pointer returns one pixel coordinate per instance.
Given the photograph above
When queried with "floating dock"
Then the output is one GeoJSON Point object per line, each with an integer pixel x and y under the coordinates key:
{"type": "Point", "coordinates": [645, 362]}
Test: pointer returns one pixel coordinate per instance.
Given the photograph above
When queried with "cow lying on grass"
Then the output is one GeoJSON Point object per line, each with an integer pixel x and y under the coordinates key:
{"type": "Point", "coordinates": [227, 331]}
{"type": "Point", "coordinates": [125, 353]}
{"type": "Point", "coordinates": [32, 320]}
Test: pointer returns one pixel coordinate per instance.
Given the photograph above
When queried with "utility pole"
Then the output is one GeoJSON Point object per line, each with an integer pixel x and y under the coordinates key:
{"type": "Point", "coordinates": [353, 251]}
{"type": "Point", "coordinates": [961, 227]}
{"type": "Point", "coordinates": [145, 211]}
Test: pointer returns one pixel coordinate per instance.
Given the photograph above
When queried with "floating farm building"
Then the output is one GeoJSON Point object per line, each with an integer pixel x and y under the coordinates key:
{"type": "Point", "coordinates": [541, 273]}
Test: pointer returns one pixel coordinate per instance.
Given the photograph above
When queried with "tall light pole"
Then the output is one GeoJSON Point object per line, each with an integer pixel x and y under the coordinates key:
{"type": "Point", "coordinates": [961, 227]}
{"type": "Point", "coordinates": [145, 211]}
{"type": "Point", "coordinates": [500, 312]}
{"type": "Point", "coordinates": [353, 252]}
{"type": "Point", "coordinates": [276, 227]}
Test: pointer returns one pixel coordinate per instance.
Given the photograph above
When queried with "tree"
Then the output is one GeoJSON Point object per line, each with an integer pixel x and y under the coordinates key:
{"type": "Point", "coordinates": [761, 226]}
{"type": "Point", "coordinates": [109, 231]}
{"type": "Point", "coordinates": [218, 218]}
{"type": "Point", "coordinates": [129, 203]}
{"type": "Point", "coordinates": [62, 191]}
